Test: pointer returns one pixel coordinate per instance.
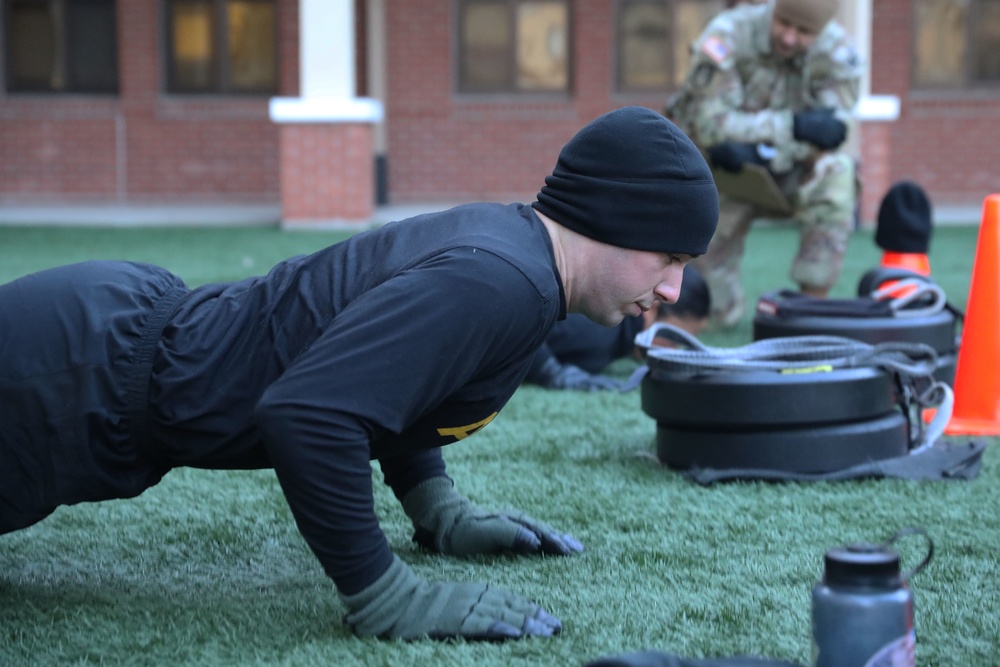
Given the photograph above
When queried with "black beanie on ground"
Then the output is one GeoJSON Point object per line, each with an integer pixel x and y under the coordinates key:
{"type": "Point", "coordinates": [904, 219]}
{"type": "Point", "coordinates": [632, 179]}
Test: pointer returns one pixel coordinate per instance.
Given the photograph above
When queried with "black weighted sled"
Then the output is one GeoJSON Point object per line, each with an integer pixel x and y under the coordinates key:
{"type": "Point", "coordinates": [765, 399]}
{"type": "Point", "coordinates": [811, 449]}
{"type": "Point", "coordinates": [810, 404]}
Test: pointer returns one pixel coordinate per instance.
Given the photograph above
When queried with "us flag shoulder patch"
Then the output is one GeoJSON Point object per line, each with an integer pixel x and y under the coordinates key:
{"type": "Point", "coordinates": [715, 48]}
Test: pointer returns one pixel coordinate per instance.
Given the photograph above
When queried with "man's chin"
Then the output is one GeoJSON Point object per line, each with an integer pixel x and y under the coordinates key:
{"type": "Point", "coordinates": [607, 319]}
{"type": "Point", "coordinates": [780, 52]}
{"type": "Point", "coordinates": [784, 54]}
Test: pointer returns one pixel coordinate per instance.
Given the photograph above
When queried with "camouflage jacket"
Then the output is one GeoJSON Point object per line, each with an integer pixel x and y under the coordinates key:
{"type": "Point", "coordinates": [736, 89]}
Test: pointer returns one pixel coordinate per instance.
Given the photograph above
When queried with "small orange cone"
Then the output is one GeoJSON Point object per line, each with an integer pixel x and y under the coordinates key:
{"type": "Point", "coordinates": [977, 375]}
{"type": "Point", "coordinates": [912, 261]}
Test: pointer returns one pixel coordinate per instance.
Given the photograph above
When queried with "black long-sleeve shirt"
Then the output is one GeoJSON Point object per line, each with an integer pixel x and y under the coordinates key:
{"type": "Point", "coordinates": [386, 346]}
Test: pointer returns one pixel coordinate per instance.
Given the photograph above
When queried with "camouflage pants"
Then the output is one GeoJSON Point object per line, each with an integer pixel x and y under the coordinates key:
{"type": "Point", "coordinates": [823, 199]}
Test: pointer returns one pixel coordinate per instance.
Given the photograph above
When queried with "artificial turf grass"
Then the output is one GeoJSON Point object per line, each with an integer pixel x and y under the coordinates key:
{"type": "Point", "coordinates": [208, 569]}
{"type": "Point", "coordinates": [199, 255]}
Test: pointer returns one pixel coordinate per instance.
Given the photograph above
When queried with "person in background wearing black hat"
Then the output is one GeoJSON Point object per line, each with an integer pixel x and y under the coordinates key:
{"type": "Point", "coordinates": [773, 85]}
{"type": "Point", "coordinates": [578, 350]}
{"type": "Point", "coordinates": [904, 228]}
{"type": "Point", "coordinates": [384, 347]}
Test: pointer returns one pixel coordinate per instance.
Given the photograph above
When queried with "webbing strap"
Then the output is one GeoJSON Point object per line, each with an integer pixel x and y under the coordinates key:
{"type": "Point", "coordinates": [781, 354]}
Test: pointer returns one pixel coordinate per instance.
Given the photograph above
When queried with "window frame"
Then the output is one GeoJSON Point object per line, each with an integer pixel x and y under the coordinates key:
{"type": "Point", "coordinates": [967, 84]}
{"type": "Point", "coordinates": [221, 64]}
{"type": "Point", "coordinates": [63, 51]}
{"type": "Point", "coordinates": [511, 92]}
{"type": "Point", "coordinates": [671, 43]}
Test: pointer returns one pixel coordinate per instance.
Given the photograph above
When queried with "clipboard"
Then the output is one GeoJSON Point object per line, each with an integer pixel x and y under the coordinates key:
{"type": "Point", "coordinates": [755, 185]}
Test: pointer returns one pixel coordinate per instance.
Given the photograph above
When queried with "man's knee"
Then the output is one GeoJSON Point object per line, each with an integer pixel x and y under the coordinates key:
{"type": "Point", "coordinates": [820, 259]}
{"type": "Point", "coordinates": [829, 195]}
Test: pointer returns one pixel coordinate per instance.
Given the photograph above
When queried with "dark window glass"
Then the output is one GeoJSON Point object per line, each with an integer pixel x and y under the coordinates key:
{"type": "Point", "coordinates": [221, 46]}
{"type": "Point", "coordinates": [956, 44]}
{"type": "Point", "coordinates": [986, 66]}
{"type": "Point", "coordinates": [61, 46]}
{"type": "Point", "coordinates": [654, 41]}
{"type": "Point", "coordinates": [512, 46]}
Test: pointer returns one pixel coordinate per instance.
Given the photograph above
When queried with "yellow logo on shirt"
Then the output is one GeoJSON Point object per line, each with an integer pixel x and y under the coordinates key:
{"type": "Point", "coordinates": [463, 432]}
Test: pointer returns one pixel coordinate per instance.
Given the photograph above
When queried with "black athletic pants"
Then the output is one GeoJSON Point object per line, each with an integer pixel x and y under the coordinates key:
{"type": "Point", "coordinates": [75, 352]}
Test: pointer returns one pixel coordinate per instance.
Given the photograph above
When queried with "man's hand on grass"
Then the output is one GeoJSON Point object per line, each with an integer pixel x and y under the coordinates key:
{"type": "Point", "coordinates": [554, 375]}
{"type": "Point", "coordinates": [449, 523]}
{"type": "Point", "coordinates": [403, 605]}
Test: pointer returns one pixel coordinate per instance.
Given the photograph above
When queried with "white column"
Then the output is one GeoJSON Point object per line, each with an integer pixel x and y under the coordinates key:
{"type": "Point", "coordinates": [326, 48]}
{"type": "Point", "coordinates": [326, 69]}
{"type": "Point", "coordinates": [857, 17]}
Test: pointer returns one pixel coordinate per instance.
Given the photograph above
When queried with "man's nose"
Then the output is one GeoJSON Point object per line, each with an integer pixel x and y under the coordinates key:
{"type": "Point", "coordinates": [669, 290]}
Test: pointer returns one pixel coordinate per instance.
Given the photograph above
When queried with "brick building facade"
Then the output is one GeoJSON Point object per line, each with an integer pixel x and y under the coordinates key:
{"type": "Point", "coordinates": [143, 146]}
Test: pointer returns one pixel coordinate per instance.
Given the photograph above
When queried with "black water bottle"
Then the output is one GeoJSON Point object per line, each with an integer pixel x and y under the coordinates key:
{"type": "Point", "coordinates": [862, 609]}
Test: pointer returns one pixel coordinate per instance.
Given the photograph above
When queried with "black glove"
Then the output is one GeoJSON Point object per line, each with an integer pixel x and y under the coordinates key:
{"type": "Point", "coordinates": [554, 375]}
{"type": "Point", "coordinates": [819, 127]}
{"type": "Point", "coordinates": [403, 605]}
{"type": "Point", "coordinates": [732, 155]}
{"type": "Point", "coordinates": [447, 522]}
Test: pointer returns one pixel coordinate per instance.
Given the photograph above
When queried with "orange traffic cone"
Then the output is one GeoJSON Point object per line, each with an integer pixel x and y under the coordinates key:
{"type": "Point", "coordinates": [977, 376]}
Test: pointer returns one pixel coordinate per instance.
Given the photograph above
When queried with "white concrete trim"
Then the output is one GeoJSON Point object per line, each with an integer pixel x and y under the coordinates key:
{"type": "Point", "coordinates": [153, 214]}
{"type": "Point", "coordinates": [325, 110]}
{"type": "Point", "coordinates": [326, 224]}
{"type": "Point", "coordinates": [877, 107]}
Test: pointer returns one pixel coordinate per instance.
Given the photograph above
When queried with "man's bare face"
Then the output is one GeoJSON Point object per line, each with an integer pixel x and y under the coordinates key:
{"type": "Point", "coordinates": [789, 40]}
{"type": "Point", "coordinates": [624, 283]}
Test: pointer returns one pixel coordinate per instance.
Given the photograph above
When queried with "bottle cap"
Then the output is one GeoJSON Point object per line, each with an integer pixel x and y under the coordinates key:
{"type": "Point", "coordinates": [862, 564]}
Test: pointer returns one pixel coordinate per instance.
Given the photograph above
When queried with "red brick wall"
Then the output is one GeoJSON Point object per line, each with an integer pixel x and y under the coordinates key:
{"type": "Point", "coordinates": [203, 150]}
{"type": "Point", "coordinates": [875, 161]}
{"type": "Point", "coordinates": [946, 141]}
{"type": "Point", "coordinates": [319, 174]}
{"type": "Point", "coordinates": [445, 146]}
{"type": "Point", "coordinates": [71, 153]}
{"type": "Point", "coordinates": [143, 145]}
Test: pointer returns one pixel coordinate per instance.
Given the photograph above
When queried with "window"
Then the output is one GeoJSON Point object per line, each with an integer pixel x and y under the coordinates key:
{"type": "Point", "coordinates": [61, 46]}
{"type": "Point", "coordinates": [654, 41]}
{"type": "Point", "coordinates": [221, 46]}
{"type": "Point", "coordinates": [956, 44]}
{"type": "Point", "coordinates": [511, 46]}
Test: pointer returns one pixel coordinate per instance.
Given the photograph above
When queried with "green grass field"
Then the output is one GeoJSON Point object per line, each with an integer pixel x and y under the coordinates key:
{"type": "Point", "coordinates": [207, 568]}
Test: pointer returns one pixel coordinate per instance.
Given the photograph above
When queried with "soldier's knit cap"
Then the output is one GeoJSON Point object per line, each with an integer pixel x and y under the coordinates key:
{"type": "Point", "coordinates": [632, 179]}
{"type": "Point", "coordinates": [813, 15]}
{"type": "Point", "coordinates": [904, 219]}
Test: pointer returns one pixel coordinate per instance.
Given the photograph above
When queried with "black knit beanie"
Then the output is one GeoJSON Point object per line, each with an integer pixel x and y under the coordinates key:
{"type": "Point", "coordinates": [904, 219]}
{"type": "Point", "coordinates": [632, 179]}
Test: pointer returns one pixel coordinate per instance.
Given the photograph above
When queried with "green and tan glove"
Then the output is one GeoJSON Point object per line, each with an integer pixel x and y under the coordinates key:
{"type": "Point", "coordinates": [447, 522]}
{"type": "Point", "coordinates": [403, 605]}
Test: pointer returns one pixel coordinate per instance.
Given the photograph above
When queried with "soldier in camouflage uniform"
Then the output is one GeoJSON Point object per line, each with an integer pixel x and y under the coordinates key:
{"type": "Point", "coordinates": [774, 84]}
